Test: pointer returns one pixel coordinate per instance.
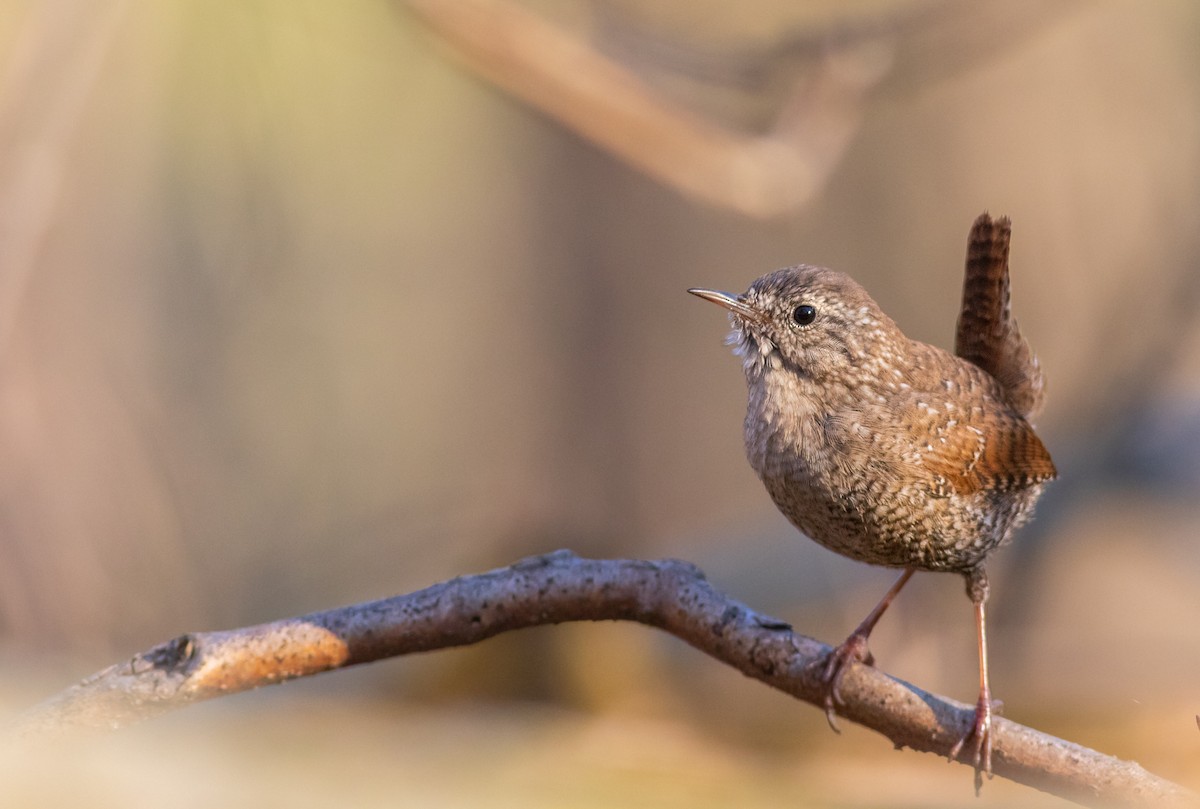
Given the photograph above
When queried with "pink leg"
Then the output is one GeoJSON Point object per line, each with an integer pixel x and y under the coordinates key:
{"type": "Point", "coordinates": [854, 650]}
{"type": "Point", "coordinates": [980, 732]}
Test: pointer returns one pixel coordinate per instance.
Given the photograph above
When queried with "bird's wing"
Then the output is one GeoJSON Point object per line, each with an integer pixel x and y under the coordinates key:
{"type": "Point", "coordinates": [996, 452]}
{"type": "Point", "coordinates": [987, 332]}
{"type": "Point", "coordinates": [947, 447]}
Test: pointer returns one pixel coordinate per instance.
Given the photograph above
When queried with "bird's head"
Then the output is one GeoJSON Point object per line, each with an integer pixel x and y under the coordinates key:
{"type": "Point", "coordinates": [813, 321]}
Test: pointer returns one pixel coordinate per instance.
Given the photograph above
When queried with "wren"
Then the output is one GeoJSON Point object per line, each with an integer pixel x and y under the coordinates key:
{"type": "Point", "coordinates": [889, 450]}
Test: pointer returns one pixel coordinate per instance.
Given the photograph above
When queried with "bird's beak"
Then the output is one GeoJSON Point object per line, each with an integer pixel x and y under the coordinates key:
{"type": "Point", "coordinates": [733, 303]}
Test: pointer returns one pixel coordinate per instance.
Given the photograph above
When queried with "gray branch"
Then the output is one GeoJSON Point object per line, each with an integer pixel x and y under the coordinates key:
{"type": "Point", "coordinates": [559, 587]}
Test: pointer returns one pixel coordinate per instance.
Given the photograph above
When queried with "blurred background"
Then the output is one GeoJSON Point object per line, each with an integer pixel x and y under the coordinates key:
{"type": "Point", "coordinates": [304, 304]}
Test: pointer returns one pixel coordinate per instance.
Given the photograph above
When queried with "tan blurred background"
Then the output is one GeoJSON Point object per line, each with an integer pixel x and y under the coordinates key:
{"type": "Point", "coordinates": [295, 311]}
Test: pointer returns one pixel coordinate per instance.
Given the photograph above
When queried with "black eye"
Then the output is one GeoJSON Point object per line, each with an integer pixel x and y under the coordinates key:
{"type": "Point", "coordinates": [804, 314]}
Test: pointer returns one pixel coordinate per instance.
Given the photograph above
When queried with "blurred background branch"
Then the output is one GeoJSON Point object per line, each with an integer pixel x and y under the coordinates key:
{"type": "Point", "coordinates": [564, 77]}
{"type": "Point", "coordinates": [42, 99]}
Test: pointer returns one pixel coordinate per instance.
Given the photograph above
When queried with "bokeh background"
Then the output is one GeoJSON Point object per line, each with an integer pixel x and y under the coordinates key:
{"type": "Point", "coordinates": [297, 311]}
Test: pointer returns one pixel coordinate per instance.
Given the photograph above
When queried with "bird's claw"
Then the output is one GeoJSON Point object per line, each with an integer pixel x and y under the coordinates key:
{"type": "Point", "coordinates": [980, 736]}
{"type": "Point", "coordinates": [853, 650]}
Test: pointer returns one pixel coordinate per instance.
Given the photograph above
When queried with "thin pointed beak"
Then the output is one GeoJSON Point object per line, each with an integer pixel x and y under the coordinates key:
{"type": "Point", "coordinates": [733, 303]}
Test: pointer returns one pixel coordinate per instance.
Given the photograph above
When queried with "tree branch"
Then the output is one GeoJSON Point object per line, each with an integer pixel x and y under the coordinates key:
{"type": "Point", "coordinates": [559, 587]}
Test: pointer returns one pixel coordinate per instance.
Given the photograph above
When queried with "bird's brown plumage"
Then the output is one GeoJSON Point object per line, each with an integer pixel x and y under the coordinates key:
{"type": "Point", "coordinates": [987, 333]}
{"type": "Point", "coordinates": [889, 450]}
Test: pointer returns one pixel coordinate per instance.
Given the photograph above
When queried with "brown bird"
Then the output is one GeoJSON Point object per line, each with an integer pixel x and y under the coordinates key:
{"type": "Point", "coordinates": [889, 450]}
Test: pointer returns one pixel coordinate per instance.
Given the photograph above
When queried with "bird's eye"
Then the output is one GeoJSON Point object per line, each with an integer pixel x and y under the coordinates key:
{"type": "Point", "coordinates": [804, 314]}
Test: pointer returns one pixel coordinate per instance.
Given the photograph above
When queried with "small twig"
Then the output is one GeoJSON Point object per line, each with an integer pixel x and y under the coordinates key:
{"type": "Point", "coordinates": [559, 587]}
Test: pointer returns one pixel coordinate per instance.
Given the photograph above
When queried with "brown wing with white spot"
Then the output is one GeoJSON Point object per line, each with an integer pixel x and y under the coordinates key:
{"type": "Point", "coordinates": [953, 448]}
{"type": "Point", "coordinates": [998, 452]}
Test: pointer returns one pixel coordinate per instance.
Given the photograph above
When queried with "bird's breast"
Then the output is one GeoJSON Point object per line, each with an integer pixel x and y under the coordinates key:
{"type": "Point", "coordinates": [784, 428]}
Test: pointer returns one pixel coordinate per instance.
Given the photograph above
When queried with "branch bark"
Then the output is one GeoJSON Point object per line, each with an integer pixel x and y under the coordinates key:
{"type": "Point", "coordinates": [559, 587]}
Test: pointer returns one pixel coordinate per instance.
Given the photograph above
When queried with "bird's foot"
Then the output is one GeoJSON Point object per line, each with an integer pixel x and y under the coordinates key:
{"type": "Point", "coordinates": [853, 650]}
{"type": "Point", "coordinates": [979, 735]}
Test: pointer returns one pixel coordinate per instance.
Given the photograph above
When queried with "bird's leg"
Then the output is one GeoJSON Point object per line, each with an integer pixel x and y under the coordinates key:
{"type": "Point", "coordinates": [854, 650]}
{"type": "Point", "coordinates": [980, 732]}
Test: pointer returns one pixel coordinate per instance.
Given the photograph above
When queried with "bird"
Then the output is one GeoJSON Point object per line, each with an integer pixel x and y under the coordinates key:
{"type": "Point", "coordinates": [889, 450]}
